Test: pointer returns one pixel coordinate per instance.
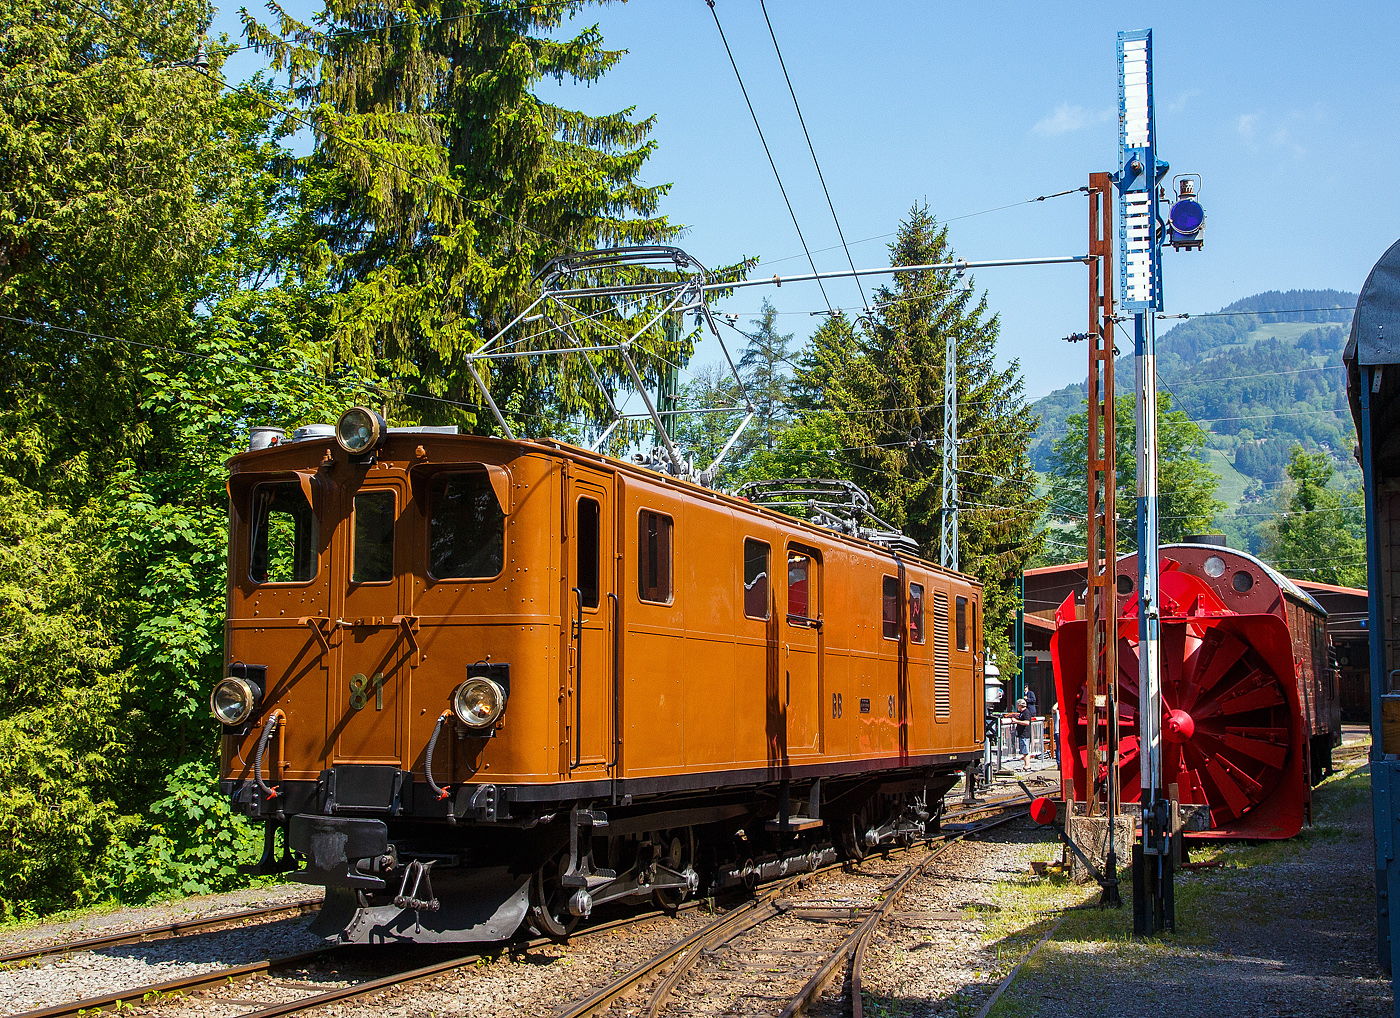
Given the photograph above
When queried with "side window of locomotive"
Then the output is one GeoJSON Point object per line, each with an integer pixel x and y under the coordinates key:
{"type": "Point", "coordinates": [889, 608]}
{"type": "Point", "coordinates": [467, 530]}
{"type": "Point", "coordinates": [756, 557]}
{"type": "Point", "coordinates": [799, 588]}
{"type": "Point", "coordinates": [961, 623]}
{"type": "Point", "coordinates": [916, 612]}
{"type": "Point", "coordinates": [654, 557]}
{"type": "Point", "coordinates": [283, 535]}
{"type": "Point", "coordinates": [587, 574]}
{"type": "Point", "coordinates": [373, 555]}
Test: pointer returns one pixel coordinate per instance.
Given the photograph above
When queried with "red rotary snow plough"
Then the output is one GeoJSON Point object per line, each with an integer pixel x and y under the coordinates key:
{"type": "Point", "coordinates": [1249, 705]}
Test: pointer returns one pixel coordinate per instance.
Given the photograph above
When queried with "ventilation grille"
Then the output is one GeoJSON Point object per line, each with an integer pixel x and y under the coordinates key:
{"type": "Point", "coordinates": [941, 699]}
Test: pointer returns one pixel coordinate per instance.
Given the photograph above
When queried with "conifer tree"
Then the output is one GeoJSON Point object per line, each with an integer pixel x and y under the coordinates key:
{"type": "Point", "coordinates": [440, 182]}
{"type": "Point", "coordinates": [764, 366]}
{"type": "Point", "coordinates": [872, 399]}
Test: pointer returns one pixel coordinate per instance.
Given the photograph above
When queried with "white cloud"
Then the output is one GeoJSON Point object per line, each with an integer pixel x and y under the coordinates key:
{"type": "Point", "coordinates": [1068, 118]}
{"type": "Point", "coordinates": [1248, 126]}
{"type": "Point", "coordinates": [1180, 103]}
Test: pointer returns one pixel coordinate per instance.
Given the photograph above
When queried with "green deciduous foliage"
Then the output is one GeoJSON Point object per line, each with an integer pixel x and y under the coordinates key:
{"type": "Point", "coordinates": [1320, 533]}
{"type": "Point", "coordinates": [1186, 486]}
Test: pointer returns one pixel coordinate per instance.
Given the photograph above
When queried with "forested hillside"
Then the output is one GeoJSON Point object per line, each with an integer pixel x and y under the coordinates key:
{"type": "Point", "coordinates": [1260, 376]}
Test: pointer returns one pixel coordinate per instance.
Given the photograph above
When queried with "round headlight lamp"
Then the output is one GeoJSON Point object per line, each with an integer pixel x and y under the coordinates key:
{"type": "Point", "coordinates": [234, 700]}
{"type": "Point", "coordinates": [478, 702]}
{"type": "Point", "coordinates": [360, 431]}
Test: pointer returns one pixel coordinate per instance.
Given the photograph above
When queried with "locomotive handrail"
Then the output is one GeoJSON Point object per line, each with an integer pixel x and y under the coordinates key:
{"type": "Point", "coordinates": [578, 676]}
{"type": "Point", "coordinates": [314, 621]}
{"type": "Point", "coordinates": [617, 722]}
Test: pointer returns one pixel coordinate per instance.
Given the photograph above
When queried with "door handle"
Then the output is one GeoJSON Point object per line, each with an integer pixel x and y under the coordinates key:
{"type": "Point", "coordinates": [314, 622]}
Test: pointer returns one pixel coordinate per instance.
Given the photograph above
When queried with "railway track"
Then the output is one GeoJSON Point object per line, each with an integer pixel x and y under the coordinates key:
{"type": "Point", "coordinates": [162, 932]}
{"type": "Point", "coordinates": [716, 939]}
{"type": "Point", "coordinates": [770, 903]}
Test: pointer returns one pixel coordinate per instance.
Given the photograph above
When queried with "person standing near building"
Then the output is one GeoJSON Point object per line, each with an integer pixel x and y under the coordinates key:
{"type": "Point", "coordinates": [1023, 731]}
{"type": "Point", "coordinates": [1031, 702]}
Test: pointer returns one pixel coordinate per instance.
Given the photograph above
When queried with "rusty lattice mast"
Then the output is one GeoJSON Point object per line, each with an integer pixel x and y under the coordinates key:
{"type": "Point", "coordinates": [1101, 597]}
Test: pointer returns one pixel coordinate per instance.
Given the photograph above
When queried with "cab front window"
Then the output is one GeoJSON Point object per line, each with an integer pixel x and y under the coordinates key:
{"type": "Point", "coordinates": [283, 536]}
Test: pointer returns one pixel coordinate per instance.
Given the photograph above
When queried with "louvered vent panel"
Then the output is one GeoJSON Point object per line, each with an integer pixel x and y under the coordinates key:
{"type": "Point", "coordinates": [941, 699]}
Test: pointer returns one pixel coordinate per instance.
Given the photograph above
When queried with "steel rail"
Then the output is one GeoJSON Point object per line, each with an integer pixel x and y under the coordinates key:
{"type": "Point", "coordinates": [203, 980]}
{"type": "Point", "coordinates": [687, 950]}
{"type": "Point", "coordinates": [855, 945]}
{"type": "Point", "coordinates": [136, 994]}
{"type": "Point", "coordinates": [156, 932]}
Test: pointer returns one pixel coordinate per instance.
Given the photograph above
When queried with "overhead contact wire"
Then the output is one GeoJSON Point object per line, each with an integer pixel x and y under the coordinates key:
{"type": "Point", "coordinates": [766, 151]}
{"type": "Point", "coordinates": [812, 149]}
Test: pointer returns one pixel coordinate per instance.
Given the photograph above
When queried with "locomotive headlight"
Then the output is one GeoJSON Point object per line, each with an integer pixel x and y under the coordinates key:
{"type": "Point", "coordinates": [233, 700]}
{"type": "Point", "coordinates": [478, 702]}
{"type": "Point", "coordinates": [360, 431]}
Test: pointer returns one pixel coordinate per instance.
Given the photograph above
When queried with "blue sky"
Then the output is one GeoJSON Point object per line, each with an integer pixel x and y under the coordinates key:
{"type": "Point", "coordinates": [1290, 117]}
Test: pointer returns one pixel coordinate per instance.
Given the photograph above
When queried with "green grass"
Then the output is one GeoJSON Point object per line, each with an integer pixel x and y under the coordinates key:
{"type": "Point", "coordinates": [1232, 482]}
{"type": "Point", "coordinates": [1206, 902]}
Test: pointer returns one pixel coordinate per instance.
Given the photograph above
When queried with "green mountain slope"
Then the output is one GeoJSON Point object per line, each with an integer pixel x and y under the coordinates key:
{"type": "Point", "coordinates": [1259, 379]}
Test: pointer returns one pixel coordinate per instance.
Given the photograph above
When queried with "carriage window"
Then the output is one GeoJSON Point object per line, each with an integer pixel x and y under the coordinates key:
{"type": "Point", "coordinates": [961, 623]}
{"type": "Point", "coordinates": [756, 555]}
{"type": "Point", "coordinates": [889, 601]}
{"type": "Point", "coordinates": [654, 557]}
{"type": "Point", "coordinates": [587, 575]}
{"type": "Point", "coordinates": [799, 591]}
{"type": "Point", "coordinates": [916, 612]}
{"type": "Point", "coordinates": [374, 538]}
{"type": "Point", "coordinates": [467, 530]}
{"type": "Point", "coordinates": [283, 536]}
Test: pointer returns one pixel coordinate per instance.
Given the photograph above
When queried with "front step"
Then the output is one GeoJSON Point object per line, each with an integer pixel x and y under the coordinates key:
{"type": "Point", "coordinates": [793, 825]}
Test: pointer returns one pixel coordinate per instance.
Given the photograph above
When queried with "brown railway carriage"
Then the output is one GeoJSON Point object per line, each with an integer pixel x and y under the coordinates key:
{"type": "Point", "coordinates": [683, 687]}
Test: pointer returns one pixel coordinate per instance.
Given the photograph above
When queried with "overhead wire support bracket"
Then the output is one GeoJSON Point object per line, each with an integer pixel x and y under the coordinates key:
{"type": "Point", "coordinates": [606, 277]}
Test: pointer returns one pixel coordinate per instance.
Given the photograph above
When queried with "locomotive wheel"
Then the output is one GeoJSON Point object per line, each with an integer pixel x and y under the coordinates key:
{"type": "Point", "coordinates": [549, 914]}
{"type": "Point", "coordinates": [850, 833]}
{"type": "Point", "coordinates": [677, 851]}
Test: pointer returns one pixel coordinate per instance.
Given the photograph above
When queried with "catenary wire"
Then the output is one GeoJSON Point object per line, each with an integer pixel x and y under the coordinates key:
{"type": "Point", "coordinates": [812, 149]}
{"type": "Point", "coordinates": [776, 176]}
{"type": "Point", "coordinates": [954, 219]}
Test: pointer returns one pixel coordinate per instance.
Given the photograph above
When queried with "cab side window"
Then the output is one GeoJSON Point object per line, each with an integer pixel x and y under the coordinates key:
{"type": "Point", "coordinates": [586, 575]}
{"type": "Point", "coordinates": [654, 557]}
{"type": "Point", "coordinates": [799, 589]}
{"type": "Point", "coordinates": [283, 535]}
{"type": "Point", "coordinates": [373, 553]}
{"type": "Point", "coordinates": [889, 608]}
{"type": "Point", "coordinates": [756, 557]}
{"type": "Point", "coordinates": [961, 623]}
{"type": "Point", "coordinates": [466, 529]}
{"type": "Point", "coordinates": [916, 612]}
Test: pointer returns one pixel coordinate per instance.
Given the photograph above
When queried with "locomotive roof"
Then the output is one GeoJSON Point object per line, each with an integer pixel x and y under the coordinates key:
{"type": "Point", "coordinates": [246, 462]}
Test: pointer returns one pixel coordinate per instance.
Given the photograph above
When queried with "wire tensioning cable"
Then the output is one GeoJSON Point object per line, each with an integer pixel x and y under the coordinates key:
{"type": "Point", "coordinates": [778, 177]}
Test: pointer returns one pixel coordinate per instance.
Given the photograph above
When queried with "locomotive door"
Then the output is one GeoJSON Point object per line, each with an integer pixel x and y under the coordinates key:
{"type": "Point", "coordinates": [376, 645]}
{"type": "Point", "coordinates": [591, 610]}
{"type": "Point", "coordinates": [802, 651]}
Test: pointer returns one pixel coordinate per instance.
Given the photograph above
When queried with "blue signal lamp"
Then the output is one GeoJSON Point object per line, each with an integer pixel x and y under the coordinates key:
{"type": "Point", "coordinates": [1187, 219]}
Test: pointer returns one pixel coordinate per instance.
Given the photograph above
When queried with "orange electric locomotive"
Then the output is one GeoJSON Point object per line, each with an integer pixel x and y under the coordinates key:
{"type": "Point", "coordinates": [481, 683]}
